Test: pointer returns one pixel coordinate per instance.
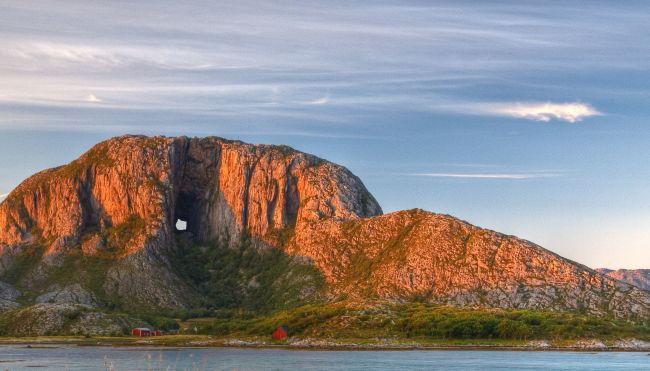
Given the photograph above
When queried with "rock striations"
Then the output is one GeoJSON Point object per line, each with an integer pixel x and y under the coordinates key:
{"type": "Point", "coordinates": [100, 232]}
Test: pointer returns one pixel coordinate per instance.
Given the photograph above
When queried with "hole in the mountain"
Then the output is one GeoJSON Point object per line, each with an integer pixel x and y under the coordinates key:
{"type": "Point", "coordinates": [181, 225]}
{"type": "Point", "coordinates": [187, 217]}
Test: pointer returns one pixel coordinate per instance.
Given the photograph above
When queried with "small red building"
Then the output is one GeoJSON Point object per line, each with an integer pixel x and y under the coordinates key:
{"type": "Point", "coordinates": [142, 331]}
{"type": "Point", "coordinates": [281, 333]}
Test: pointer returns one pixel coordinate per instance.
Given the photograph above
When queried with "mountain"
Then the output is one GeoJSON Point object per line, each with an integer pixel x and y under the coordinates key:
{"type": "Point", "coordinates": [420, 255]}
{"type": "Point", "coordinates": [636, 277]}
{"type": "Point", "coordinates": [106, 220]}
{"type": "Point", "coordinates": [267, 227]}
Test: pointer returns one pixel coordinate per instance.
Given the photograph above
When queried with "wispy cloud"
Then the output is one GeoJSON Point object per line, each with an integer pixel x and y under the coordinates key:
{"type": "Point", "coordinates": [545, 112]}
{"type": "Point", "coordinates": [486, 176]}
{"type": "Point", "coordinates": [3, 196]}
{"type": "Point", "coordinates": [319, 101]}
{"type": "Point", "coordinates": [282, 60]}
{"type": "Point", "coordinates": [51, 53]}
{"type": "Point", "coordinates": [71, 56]}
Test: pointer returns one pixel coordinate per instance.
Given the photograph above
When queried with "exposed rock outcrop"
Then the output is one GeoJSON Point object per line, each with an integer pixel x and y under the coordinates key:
{"type": "Point", "coordinates": [71, 294]}
{"type": "Point", "coordinates": [8, 292]}
{"type": "Point", "coordinates": [8, 296]}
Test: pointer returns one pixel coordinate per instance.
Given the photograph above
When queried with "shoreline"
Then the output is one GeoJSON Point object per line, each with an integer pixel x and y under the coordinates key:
{"type": "Point", "coordinates": [201, 342]}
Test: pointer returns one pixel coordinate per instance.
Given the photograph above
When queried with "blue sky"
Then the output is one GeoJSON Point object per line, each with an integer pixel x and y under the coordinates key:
{"type": "Point", "coordinates": [530, 118]}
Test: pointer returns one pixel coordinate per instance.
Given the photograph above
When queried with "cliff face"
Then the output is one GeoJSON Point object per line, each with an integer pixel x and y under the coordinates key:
{"type": "Point", "coordinates": [121, 199]}
{"type": "Point", "coordinates": [102, 227]}
{"type": "Point", "coordinates": [636, 277]}
{"type": "Point", "coordinates": [147, 183]}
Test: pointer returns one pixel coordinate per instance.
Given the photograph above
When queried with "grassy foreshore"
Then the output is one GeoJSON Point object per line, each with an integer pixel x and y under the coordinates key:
{"type": "Point", "coordinates": [330, 344]}
{"type": "Point", "coordinates": [352, 325]}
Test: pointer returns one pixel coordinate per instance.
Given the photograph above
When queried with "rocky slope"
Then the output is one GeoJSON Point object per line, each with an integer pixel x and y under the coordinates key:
{"type": "Point", "coordinates": [100, 232]}
{"type": "Point", "coordinates": [417, 255]}
{"type": "Point", "coordinates": [636, 277]}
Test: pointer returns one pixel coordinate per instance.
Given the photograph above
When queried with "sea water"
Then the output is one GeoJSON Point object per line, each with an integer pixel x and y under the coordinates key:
{"type": "Point", "coordinates": [130, 358]}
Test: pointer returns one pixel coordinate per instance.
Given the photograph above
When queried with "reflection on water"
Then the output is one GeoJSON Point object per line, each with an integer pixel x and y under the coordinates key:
{"type": "Point", "coordinates": [108, 358]}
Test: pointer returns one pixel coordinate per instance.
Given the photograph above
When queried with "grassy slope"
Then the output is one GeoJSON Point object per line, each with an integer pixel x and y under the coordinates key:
{"type": "Point", "coordinates": [421, 322]}
{"type": "Point", "coordinates": [260, 280]}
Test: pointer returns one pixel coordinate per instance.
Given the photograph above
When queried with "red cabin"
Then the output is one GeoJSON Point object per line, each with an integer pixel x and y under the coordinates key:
{"type": "Point", "coordinates": [281, 333]}
{"type": "Point", "coordinates": [142, 331]}
{"type": "Point", "coordinates": [158, 333]}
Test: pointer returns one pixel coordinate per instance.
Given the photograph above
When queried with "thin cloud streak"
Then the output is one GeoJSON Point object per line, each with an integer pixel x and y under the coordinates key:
{"type": "Point", "coordinates": [484, 176]}
{"type": "Point", "coordinates": [319, 101]}
{"type": "Point", "coordinates": [545, 112]}
{"type": "Point", "coordinates": [3, 196]}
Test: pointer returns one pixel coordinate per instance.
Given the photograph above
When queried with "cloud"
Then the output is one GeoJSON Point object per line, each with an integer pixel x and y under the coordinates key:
{"type": "Point", "coordinates": [3, 196]}
{"type": "Point", "coordinates": [485, 176]}
{"type": "Point", "coordinates": [387, 58]}
{"type": "Point", "coordinates": [570, 112]}
{"type": "Point", "coordinates": [92, 99]}
{"type": "Point", "coordinates": [319, 101]}
{"type": "Point", "coordinates": [82, 54]}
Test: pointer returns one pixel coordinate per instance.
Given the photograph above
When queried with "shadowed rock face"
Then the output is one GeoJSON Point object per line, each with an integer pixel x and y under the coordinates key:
{"type": "Point", "coordinates": [636, 277]}
{"type": "Point", "coordinates": [116, 207]}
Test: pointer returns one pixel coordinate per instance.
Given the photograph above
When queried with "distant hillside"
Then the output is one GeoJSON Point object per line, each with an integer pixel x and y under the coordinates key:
{"type": "Point", "coordinates": [636, 277]}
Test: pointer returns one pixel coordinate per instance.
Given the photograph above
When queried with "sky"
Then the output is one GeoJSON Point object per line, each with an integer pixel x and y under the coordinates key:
{"type": "Point", "coordinates": [530, 118]}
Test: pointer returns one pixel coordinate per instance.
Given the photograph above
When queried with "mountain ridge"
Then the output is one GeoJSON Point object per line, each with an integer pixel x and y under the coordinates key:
{"type": "Point", "coordinates": [96, 232]}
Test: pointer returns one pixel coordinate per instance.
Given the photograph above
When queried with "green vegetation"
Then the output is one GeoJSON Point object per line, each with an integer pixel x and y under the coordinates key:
{"type": "Point", "coordinates": [419, 322]}
{"type": "Point", "coordinates": [159, 322]}
{"type": "Point", "coordinates": [282, 236]}
{"type": "Point", "coordinates": [57, 320]}
{"type": "Point", "coordinates": [120, 235]}
{"type": "Point", "coordinates": [246, 276]}
{"type": "Point", "coordinates": [22, 263]}
{"type": "Point", "coordinates": [88, 271]}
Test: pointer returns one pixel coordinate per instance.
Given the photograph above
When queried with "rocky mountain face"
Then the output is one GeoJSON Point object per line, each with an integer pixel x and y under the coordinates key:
{"type": "Point", "coordinates": [114, 210]}
{"type": "Point", "coordinates": [99, 233]}
{"type": "Point", "coordinates": [418, 255]}
{"type": "Point", "coordinates": [636, 277]}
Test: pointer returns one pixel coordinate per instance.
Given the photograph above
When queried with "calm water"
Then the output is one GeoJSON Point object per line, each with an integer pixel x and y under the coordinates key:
{"type": "Point", "coordinates": [87, 358]}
